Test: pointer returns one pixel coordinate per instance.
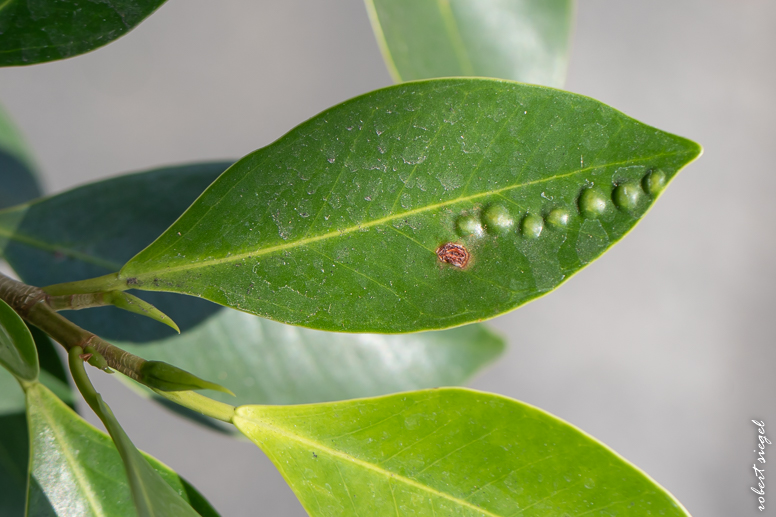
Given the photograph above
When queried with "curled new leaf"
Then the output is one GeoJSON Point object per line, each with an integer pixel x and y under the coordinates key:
{"type": "Point", "coordinates": [166, 377]}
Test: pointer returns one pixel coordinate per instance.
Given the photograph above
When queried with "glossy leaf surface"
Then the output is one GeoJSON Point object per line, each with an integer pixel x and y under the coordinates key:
{"type": "Point", "coordinates": [14, 441]}
{"type": "Point", "coordinates": [522, 40]}
{"type": "Point", "coordinates": [76, 469]}
{"type": "Point", "coordinates": [152, 496]}
{"type": "Point", "coordinates": [18, 182]}
{"type": "Point", "coordinates": [360, 219]}
{"type": "Point", "coordinates": [47, 30]}
{"type": "Point", "coordinates": [271, 363]}
{"type": "Point", "coordinates": [92, 230]}
{"type": "Point", "coordinates": [17, 348]}
{"type": "Point", "coordinates": [447, 452]}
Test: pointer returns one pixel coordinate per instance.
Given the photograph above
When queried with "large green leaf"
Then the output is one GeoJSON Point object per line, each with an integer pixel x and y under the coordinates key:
{"type": "Point", "coordinates": [18, 182]}
{"type": "Point", "coordinates": [357, 219]}
{"type": "Point", "coordinates": [271, 363]}
{"type": "Point", "coordinates": [522, 40]}
{"type": "Point", "coordinates": [92, 230]}
{"type": "Point", "coordinates": [76, 469]}
{"type": "Point", "coordinates": [47, 30]}
{"type": "Point", "coordinates": [447, 452]}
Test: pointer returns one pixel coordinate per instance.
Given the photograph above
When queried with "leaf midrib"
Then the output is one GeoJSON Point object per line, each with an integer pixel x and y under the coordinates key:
{"type": "Point", "coordinates": [369, 466]}
{"type": "Point", "coordinates": [362, 226]}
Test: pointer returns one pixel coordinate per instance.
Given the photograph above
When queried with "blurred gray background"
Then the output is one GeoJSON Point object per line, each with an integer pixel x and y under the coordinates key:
{"type": "Point", "coordinates": [663, 349]}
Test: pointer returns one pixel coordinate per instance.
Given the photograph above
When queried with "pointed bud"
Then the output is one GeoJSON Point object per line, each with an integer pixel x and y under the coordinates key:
{"type": "Point", "coordinates": [166, 377]}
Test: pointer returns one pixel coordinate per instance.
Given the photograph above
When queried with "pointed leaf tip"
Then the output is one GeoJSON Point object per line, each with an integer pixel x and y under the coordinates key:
{"type": "Point", "coordinates": [132, 303]}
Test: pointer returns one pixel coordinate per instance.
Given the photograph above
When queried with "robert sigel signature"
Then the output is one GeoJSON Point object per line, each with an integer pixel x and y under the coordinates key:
{"type": "Point", "coordinates": [760, 473]}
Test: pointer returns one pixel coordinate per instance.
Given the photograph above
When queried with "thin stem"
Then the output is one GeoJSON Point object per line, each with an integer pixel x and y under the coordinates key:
{"type": "Point", "coordinates": [82, 381]}
{"type": "Point", "coordinates": [31, 304]}
{"type": "Point", "coordinates": [104, 283]}
{"type": "Point", "coordinates": [74, 302]}
{"type": "Point", "coordinates": [200, 404]}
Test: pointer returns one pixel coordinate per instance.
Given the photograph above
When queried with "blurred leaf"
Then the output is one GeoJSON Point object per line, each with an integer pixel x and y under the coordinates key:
{"type": "Point", "coordinates": [18, 182]}
{"type": "Point", "coordinates": [447, 452]}
{"type": "Point", "coordinates": [420, 206]}
{"type": "Point", "coordinates": [522, 40]}
{"type": "Point", "coordinates": [47, 30]}
{"type": "Point", "coordinates": [271, 363]}
{"type": "Point", "coordinates": [76, 469]}
{"type": "Point", "coordinates": [17, 348]}
{"type": "Point", "coordinates": [14, 453]}
{"type": "Point", "coordinates": [92, 230]}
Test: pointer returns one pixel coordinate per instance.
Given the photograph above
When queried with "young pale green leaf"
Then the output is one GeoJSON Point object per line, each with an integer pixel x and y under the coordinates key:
{"type": "Point", "coordinates": [47, 30]}
{"type": "Point", "coordinates": [76, 469]}
{"type": "Point", "coordinates": [447, 452]}
{"type": "Point", "coordinates": [420, 206]}
{"type": "Point", "coordinates": [271, 363]}
{"type": "Point", "coordinates": [522, 40]}
{"type": "Point", "coordinates": [93, 230]}
{"type": "Point", "coordinates": [18, 182]}
{"type": "Point", "coordinates": [17, 348]}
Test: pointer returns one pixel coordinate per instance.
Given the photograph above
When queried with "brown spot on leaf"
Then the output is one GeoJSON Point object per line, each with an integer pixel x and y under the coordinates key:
{"type": "Point", "coordinates": [454, 254]}
{"type": "Point", "coordinates": [132, 281]}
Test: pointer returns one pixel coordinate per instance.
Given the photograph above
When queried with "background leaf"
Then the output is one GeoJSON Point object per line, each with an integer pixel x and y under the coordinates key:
{"type": "Point", "coordinates": [18, 182]}
{"type": "Point", "coordinates": [92, 230]}
{"type": "Point", "coordinates": [271, 363]}
{"type": "Point", "coordinates": [76, 469]}
{"type": "Point", "coordinates": [447, 452]}
{"type": "Point", "coordinates": [47, 30]}
{"type": "Point", "coordinates": [14, 453]}
{"type": "Point", "coordinates": [522, 40]}
{"type": "Point", "coordinates": [341, 223]}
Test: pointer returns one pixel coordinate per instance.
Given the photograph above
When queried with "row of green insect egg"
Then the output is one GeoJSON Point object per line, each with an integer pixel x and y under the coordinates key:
{"type": "Point", "coordinates": [592, 204]}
